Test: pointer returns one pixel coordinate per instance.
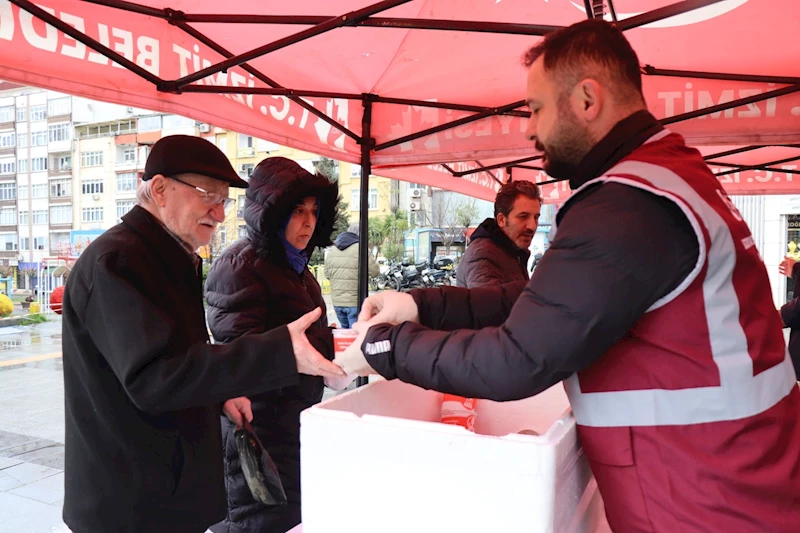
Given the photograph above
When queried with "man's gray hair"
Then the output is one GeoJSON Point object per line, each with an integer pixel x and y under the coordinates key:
{"type": "Point", "coordinates": [354, 228]}
{"type": "Point", "coordinates": [144, 193]}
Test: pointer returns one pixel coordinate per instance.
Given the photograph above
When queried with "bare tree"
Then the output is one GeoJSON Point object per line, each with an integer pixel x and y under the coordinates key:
{"type": "Point", "coordinates": [451, 214]}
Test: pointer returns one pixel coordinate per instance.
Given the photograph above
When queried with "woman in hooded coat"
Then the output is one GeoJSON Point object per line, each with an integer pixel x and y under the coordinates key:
{"type": "Point", "coordinates": [261, 282]}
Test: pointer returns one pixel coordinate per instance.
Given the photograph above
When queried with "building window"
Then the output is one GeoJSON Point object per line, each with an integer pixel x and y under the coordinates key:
{"type": "Point", "coordinates": [59, 240]}
{"type": "Point", "coordinates": [242, 231]}
{"type": "Point", "coordinates": [8, 191]}
{"type": "Point", "coordinates": [92, 214]}
{"type": "Point", "coordinates": [7, 113]}
{"type": "Point", "coordinates": [246, 141]}
{"type": "Point", "coordinates": [222, 143]}
{"type": "Point", "coordinates": [22, 140]}
{"type": "Point", "coordinates": [61, 214]}
{"type": "Point", "coordinates": [59, 132]}
{"type": "Point", "coordinates": [8, 139]}
{"type": "Point", "coordinates": [40, 243]}
{"type": "Point", "coordinates": [92, 187]}
{"type": "Point", "coordinates": [23, 192]}
{"type": "Point", "coordinates": [22, 166]}
{"type": "Point", "coordinates": [91, 159]}
{"type": "Point", "coordinates": [8, 241]}
{"type": "Point", "coordinates": [40, 216]}
{"type": "Point", "coordinates": [62, 163]}
{"type": "Point", "coordinates": [151, 123]}
{"type": "Point", "coordinates": [240, 201]}
{"type": "Point", "coordinates": [38, 112]}
{"type": "Point", "coordinates": [59, 106]}
{"type": "Point", "coordinates": [21, 112]}
{"type": "Point", "coordinates": [38, 164]}
{"type": "Point", "coordinates": [24, 219]}
{"type": "Point", "coordinates": [24, 243]}
{"type": "Point", "coordinates": [223, 236]}
{"type": "Point", "coordinates": [38, 138]}
{"type": "Point", "coordinates": [129, 155]}
{"type": "Point", "coordinates": [124, 207]}
{"type": "Point", "coordinates": [355, 171]}
{"type": "Point", "coordinates": [373, 199]}
{"type": "Point", "coordinates": [8, 216]}
{"type": "Point", "coordinates": [126, 182]}
{"type": "Point", "coordinates": [8, 166]}
{"type": "Point", "coordinates": [39, 190]}
{"type": "Point", "coordinates": [171, 122]}
{"type": "Point", "coordinates": [58, 188]}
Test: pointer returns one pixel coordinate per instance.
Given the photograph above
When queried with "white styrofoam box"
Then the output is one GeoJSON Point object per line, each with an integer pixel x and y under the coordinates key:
{"type": "Point", "coordinates": [376, 459]}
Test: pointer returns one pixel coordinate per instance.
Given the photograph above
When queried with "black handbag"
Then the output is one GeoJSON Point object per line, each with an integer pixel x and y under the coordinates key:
{"type": "Point", "coordinates": [259, 470]}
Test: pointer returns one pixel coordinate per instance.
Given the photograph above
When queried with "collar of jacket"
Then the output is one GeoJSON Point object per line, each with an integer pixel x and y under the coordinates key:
{"type": "Point", "coordinates": [625, 137]}
{"type": "Point", "coordinates": [169, 247]}
{"type": "Point", "coordinates": [489, 229]}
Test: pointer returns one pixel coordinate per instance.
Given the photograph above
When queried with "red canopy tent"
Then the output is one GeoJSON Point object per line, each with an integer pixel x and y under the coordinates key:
{"type": "Point", "coordinates": [403, 83]}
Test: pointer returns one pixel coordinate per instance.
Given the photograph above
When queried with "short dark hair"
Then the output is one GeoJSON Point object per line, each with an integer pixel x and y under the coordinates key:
{"type": "Point", "coordinates": [509, 192]}
{"type": "Point", "coordinates": [591, 48]}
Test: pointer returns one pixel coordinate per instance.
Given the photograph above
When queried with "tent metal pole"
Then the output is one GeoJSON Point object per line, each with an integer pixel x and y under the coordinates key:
{"type": "Point", "coordinates": [732, 104]}
{"type": "Point", "coordinates": [81, 37]}
{"type": "Point", "coordinates": [700, 74]}
{"type": "Point", "coordinates": [612, 10]}
{"type": "Point", "coordinates": [367, 143]}
{"type": "Point", "coordinates": [347, 19]}
{"type": "Point", "coordinates": [263, 77]}
{"type": "Point", "coordinates": [739, 168]}
{"type": "Point", "coordinates": [279, 91]}
{"type": "Point", "coordinates": [662, 13]}
{"type": "Point", "coordinates": [452, 124]}
{"type": "Point", "coordinates": [733, 152]}
{"type": "Point", "coordinates": [498, 165]}
{"type": "Point", "coordinates": [771, 169]}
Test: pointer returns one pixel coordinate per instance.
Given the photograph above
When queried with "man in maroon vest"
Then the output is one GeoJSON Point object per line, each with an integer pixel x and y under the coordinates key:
{"type": "Point", "coordinates": [652, 305]}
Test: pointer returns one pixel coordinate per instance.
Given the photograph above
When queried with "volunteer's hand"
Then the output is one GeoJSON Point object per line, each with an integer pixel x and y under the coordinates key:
{"type": "Point", "coordinates": [786, 266]}
{"type": "Point", "coordinates": [339, 384]}
{"type": "Point", "coordinates": [309, 360]}
{"type": "Point", "coordinates": [237, 410]}
{"type": "Point", "coordinates": [352, 360]}
{"type": "Point", "coordinates": [389, 307]}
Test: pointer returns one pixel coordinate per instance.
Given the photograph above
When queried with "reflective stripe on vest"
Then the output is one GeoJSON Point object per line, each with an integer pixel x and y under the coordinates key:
{"type": "Point", "coordinates": [740, 393]}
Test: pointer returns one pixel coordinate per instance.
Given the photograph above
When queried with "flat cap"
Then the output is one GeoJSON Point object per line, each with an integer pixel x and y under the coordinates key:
{"type": "Point", "coordinates": [185, 154]}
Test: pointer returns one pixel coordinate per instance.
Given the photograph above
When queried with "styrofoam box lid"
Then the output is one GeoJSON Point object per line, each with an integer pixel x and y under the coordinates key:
{"type": "Point", "coordinates": [377, 459]}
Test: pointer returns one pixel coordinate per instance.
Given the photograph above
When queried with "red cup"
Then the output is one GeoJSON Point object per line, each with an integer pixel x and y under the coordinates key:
{"type": "Point", "coordinates": [343, 338]}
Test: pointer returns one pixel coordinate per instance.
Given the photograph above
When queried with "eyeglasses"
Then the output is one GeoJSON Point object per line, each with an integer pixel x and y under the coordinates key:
{"type": "Point", "coordinates": [210, 198]}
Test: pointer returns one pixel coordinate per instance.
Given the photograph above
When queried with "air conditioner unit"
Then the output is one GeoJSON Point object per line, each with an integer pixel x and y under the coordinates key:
{"type": "Point", "coordinates": [416, 193]}
{"type": "Point", "coordinates": [95, 196]}
{"type": "Point", "coordinates": [129, 109]}
{"type": "Point", "coordinates": [413, 206]}
{"type": "Point", "coordinates": [205, 128]}
{"type": "Point", "coordinates": [243, 167]}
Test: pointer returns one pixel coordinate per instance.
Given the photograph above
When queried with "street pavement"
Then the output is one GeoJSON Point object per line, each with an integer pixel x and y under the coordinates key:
{"type": "Point", "coordinates": [32, 427]}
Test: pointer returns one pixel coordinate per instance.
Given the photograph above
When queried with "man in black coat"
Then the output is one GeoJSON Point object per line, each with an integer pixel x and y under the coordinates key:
{"type": "Point", "coordinates": [143, 386]}
{"type": "Point", "coordinates": [498, 251]}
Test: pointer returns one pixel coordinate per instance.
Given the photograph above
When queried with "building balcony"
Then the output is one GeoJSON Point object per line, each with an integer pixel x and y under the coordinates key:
{"type": "Point", "coordinates": [8, 228]}
{"type": "Point", "coordinates": [61, 199]}
{"type": "Point", "coordinates": [126, 165]}
{"type": "Point", "coordinates": [8, 150]}
{"type": "Point", "coordinates": [246, 152]}
{"type": "Point", "coordinates": [60, 226]}
{"type": "Point", "coordinates": [54, 172]}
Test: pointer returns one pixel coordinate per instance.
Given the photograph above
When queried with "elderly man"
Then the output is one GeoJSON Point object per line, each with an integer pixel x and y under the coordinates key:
{"type": "Point", "coordinates": [143, 385]}
{"type": "Point", "coordinates": [498, 249]}
{"type": "Point", "coordinates": [674, 363]}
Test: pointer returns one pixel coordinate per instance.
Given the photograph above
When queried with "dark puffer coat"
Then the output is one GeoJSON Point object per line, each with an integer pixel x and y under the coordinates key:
{"type": "Point", "coordinates": [251, 288]}
{"type": "Point", "coordinates": [491, 259]}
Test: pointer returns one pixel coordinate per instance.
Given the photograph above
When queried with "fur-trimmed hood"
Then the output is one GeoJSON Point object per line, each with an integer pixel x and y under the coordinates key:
{"type": "Point", "coordinates": [276, 186]}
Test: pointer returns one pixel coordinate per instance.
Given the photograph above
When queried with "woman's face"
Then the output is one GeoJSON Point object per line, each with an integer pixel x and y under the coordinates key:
{"type": "Point", "coordinates": [302, 222]}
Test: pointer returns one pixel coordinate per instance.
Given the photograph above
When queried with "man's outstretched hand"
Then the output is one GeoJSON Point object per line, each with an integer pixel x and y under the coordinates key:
{"type": "Point", "coordinates": [309, 360]}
